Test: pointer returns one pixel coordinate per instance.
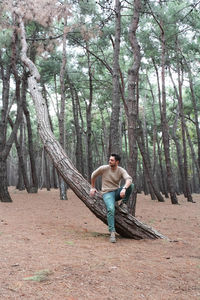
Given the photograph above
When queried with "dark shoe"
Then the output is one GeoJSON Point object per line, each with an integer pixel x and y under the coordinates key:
{"type": "Point", "coordinates": [112, 237]}
{"type": "Point", "coordinates": [124, 207]}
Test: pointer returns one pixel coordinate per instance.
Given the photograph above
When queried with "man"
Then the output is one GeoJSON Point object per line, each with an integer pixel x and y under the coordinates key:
{"type": "Point", "coordinates": [111, 190]}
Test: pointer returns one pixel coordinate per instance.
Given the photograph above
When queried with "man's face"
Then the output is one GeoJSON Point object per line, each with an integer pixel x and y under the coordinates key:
{"type": "Point", "coordinates": [112, 162]}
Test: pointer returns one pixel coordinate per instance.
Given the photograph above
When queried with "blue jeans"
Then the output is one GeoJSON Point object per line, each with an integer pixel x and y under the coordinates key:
{"type": "Point", "coordinates": [109, 199]}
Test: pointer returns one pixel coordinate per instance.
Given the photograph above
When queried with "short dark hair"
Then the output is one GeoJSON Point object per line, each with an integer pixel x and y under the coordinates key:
{"type": "Point", "coordinates": [116, 156]}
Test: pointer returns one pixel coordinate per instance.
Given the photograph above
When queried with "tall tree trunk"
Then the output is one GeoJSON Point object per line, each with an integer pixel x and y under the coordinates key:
{"type": "Point", "coordinates": [114, 139]}
{"type": "Point", "coordinates": [54, 174]}
{"type": "Point", "coordinates": [147, 165]}
{"type": "Point", "coordinates": [6, 143]}
{"type": "Point", "coordinates": [132, 101]}
{"type": "Point", "coordinates": [61, 120]}
{"type": "Point", "coordinates": [155, 137]}
{"type": "Point", "coordinates": [4, 194]}
{"type": "Point", "coordinates": [196, 111]}
{"type": "Point", "coordinates": [5, 75]}
{"type": "Point", "coordinates": [34, 187]}
{"type": "Point", "coordinates": [104, 138]}
{"type": "Point", "coordinates": [89, 117]}
{"type": "Point", "coordinates": [79, 148]}
{"type": "Point", "coordinates": [22, 164]}
{"type": "Point", "coordinates": [47, 171]}
{"type": "Point", "coordinates": [126, 224]}
{"type": "Point", "coordinates": [176, 139]}
{"type": "Point", "coordinates": [194, 159]}
{"type": "Point", "coordinates": [165, 131]}
{"type": "Point", "coordinates": [178, 92]}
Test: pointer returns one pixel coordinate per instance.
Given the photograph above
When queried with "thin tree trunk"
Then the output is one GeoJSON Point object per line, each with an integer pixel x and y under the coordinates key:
{"type": "Point", "coordinates": [54, 174]}
{"type": "Point", "coordinates": [132, 102]}
{"type": "Point", "coordinates": [47, 172]}
{"type": "Point", "coordinates": [176, 139]}
{"type": "Point", "coordinates": [5, 75]}
{"type": "Point", "coordinates": [147, 165]}
{"type": "Point", "coordinates": [165, 132]}
{"type": "Point", "coordinates": [22, 164]}
{"type": "Point", "coordinates": [89, 118]}
{"type": "Point", "coordinates": [34, 187]}
{"type": "Point", "coordinates": [194, 159]}
{"type": "Point", "coordinates": [104, 138]}
{"type": "Point", "coordinates": [79, 148]}
{"type": "Point", "coordinates": [126, 225]}
{"type": "Point", "coordinates": [61, 121]}
{"type": "Point", "coordinates": [163, 182]}
{"type": "Point", "coordinates": [178, 92]}
{"type": "Point", "coordinates": [196, 110]}
{"type": "Point", "coordinates": [114, 139]}
{"type": "Point", "coordinates": [6, 144]}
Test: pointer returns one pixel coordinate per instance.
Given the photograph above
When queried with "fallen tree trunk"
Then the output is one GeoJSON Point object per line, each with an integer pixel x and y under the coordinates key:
{"type": "Point", "coordinates": [126, 224]}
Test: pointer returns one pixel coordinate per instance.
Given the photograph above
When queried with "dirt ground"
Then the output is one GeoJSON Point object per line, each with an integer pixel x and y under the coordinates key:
{"type": "Point", "coordinates": [58, 250]}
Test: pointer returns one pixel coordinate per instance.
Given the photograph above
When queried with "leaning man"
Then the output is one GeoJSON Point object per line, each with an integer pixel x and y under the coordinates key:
{"type": "Point", "coordinates": [112, 175]}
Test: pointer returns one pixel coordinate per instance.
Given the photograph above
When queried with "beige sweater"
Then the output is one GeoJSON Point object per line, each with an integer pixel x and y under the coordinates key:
{"type": "Point", "coordinates": [110, 179]}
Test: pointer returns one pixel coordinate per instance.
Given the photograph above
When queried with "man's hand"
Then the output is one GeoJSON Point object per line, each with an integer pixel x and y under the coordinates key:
{"type": "Point", "coordinates": [92, 192]}
{"type": "Point", "coordinates": [122, 193]}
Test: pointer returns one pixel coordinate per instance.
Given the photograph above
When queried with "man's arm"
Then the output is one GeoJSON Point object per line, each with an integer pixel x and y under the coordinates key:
{"type": "Point", "coordinates": [93, 189]}
{"type": "Point", "coordinates": [94, 175]}
{"type": "Point", "coordinates": [128, 181]}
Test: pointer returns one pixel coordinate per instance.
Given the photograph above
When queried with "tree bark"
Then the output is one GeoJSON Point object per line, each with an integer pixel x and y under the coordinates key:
{"type": "Point", "coordinates": [147, 165]}
{"type": "Point", "coordinates": [114, 139]}
{"type": "Point", "coordinates": [195, 107]}
{"type": "Point", "coordinates": [34, 186]}
{"type": "Point", "coordinates": [132, 101]}
{"type": "Point", "coordinates": [165, 131]}
{"type": "Point", "coordinates": [61, 119]}
{"type": "Point", "coordinates": [89, 116]}
{"type": "Point", "coordinates": [194, 159]}
{"type": "Point", "coordinates": [79, 148]}
{"type": "Point", "coordinates": [22, 164]}
{"type": "Point", "coordinates": [176, 139]}
{"type": "Point", "coordinates": [6, 143]}
{"type": "Point", "coordinates": [161, 173]}
{"type": "Point", "coordinates": [178, 93]}
{"type": "Point", "coordinates": [126, 224]}
{"type": "Point", "coordinates": [5, 75]}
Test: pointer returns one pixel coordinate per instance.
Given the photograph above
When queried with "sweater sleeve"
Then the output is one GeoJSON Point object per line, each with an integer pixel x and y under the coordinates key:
{"type": "Point", "coordinates": [97, 172]}
{"type": "Point", "coordinates": [125, 175]}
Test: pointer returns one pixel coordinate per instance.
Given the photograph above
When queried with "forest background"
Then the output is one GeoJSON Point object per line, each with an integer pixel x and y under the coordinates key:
{"type": "Point", "coordinates": [116, 76]}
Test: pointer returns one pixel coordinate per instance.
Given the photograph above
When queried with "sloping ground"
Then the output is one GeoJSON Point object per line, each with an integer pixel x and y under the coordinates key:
{"type": "Point", "coordinates": [58, 250]}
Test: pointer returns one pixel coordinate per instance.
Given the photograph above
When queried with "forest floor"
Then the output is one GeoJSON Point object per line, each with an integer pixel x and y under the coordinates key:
{"type": "Point", "coordinates": [58, 250]}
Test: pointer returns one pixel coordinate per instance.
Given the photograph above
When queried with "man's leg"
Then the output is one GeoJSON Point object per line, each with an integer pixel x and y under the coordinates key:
{"type": "Point", "coordinates": [109, 199]}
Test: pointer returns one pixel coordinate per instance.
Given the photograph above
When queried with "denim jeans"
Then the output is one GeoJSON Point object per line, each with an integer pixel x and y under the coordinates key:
{"type": "Point", "coordinates": [110, 198]}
